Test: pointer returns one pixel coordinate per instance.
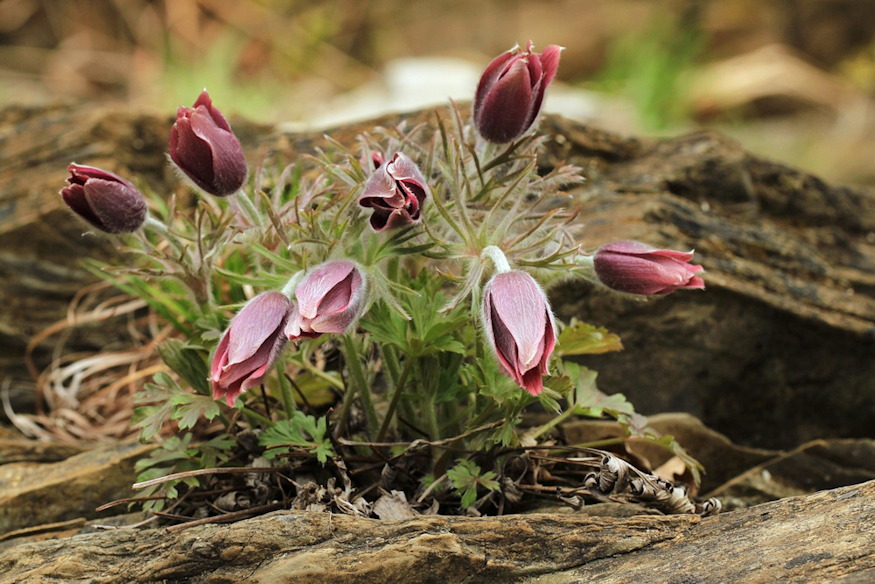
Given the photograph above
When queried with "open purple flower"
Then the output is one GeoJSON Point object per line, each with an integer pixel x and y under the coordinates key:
{"type": "Point", "coordinates": [105, 200]}
{"type": "Point", "coordinates": [520, 327]}
{"type": "Point", "coordinates": [203, 146]}
{"type": "Point", "coordinates": [395, 192]}
{"type": "Point", "coordinates": [250, 346]}
{"type": "Point", "coordinates": [330, 299]}
{"type": "Point", "coordinates": [511, 91]}
{"type": "Point", "coordinates": [638, 268]}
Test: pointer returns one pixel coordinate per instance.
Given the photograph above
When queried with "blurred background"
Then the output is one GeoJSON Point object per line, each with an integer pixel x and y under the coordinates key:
{"type": "Point", "coordinates": [791, 79]}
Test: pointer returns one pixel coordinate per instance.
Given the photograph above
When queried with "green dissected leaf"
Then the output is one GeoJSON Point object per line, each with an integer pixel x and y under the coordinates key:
{"type": "Point", "coordinates": [188, 362]}
{"type": "Point", "coordinates": [385, 325]}
{"type": "Point", "coordinates": [300, 431]}
{"type": "Point", "coordinates": [188, 408]}
{"type": "Point", "coordinates": [156, 396]}
{"type": "Point", "coordinates": [580, 338]}
{"type": "Point", "coordinates": [466, 476]}
{"type": "Point", "coordinates": [589, 400]}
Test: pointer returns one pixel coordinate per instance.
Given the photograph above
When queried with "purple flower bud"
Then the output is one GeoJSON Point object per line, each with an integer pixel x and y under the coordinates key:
{"type": "Point", "coordinates": [203, 146]}
{"type": "Point", "coordinates": [511, 91]}
{"type": "Point", "coordinates": [395, 192]}
{"type": "Point", "coordinates": [520, 327]}
{"type": "Point", "coordinates": [330, 299]}
{"type": "Point", "coordinates": [104, 199]}
{"type": "Point", "coordinates": [250, 346]}
{"type": "Point", "coordinates": [637, 268]}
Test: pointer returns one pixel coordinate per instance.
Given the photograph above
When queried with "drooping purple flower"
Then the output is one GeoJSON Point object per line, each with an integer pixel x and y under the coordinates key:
{"type": "Point", "coordinates": [249, 346]}
{"type": "Point", "coordinates": [395, 192]}
{"type": "Point", "coordinates": [638, 268]}
{"type": "Point", "coordinates": [511, 91]}
{"type": "Point", "coordinates": [330, 299]}
{"type": "Point", "coordinates": [203, 146]}
{"type": "Point", "coordinates": [105, 200]}
{"type": "Point", "coordinates": [520, 328]}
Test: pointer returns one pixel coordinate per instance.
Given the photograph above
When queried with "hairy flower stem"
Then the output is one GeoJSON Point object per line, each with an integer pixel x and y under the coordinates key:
{"type": "Point", "coordinates": [585, 261]}
{"type": "Point", "coordinates": [396, 395]}
{"type": "Point", "coordinates": [244, 207]}
{"type": "Point", "coordinates": [255, 418]}
{"type": "Point", "coordinates": [161, 229]}
{"type": "Point", "coordinates": [286, 394]}
{"type": "Point", "coordinates": [498, 258]}
{"type": "Point", "coordinates": [197, 279]}
{"type": "Point", "coordinates": [540, 430]}
{"type": "Point", "coordinates": [360, 382]}
{"type": "Point", "coordinates": [289, 288]}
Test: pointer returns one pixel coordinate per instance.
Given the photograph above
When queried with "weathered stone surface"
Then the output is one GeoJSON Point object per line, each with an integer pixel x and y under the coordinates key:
{"type": "Point", "coordinates": [33, 494]}
{"type": "Point", "coordinates": [21, 450]}
{"type": "Point", "coordinates": [822, 537]}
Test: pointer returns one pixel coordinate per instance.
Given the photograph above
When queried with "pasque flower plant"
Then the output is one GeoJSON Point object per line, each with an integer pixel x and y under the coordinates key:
{"type": "Point", "coordinates": [381, 300]}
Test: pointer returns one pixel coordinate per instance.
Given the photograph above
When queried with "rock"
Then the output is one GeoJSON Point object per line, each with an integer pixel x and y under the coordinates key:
{"type": "Point", "coordinates": [821, 464]}
{"type": "Point", "coordinates": [20, 450]}
{"type": "Point", "coordinates": [32, 494]}
{"type": "Point", "coordinates": [776, 352]}
{"type": "Point", "coordinates": [815, 538]}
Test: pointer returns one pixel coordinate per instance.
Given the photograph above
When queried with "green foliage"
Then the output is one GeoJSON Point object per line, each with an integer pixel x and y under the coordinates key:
{"type": "Point", "coordinates": [581, 338]}
{"type": "Point", "coordinates": [467, 478]}
{"type": "Point", "coordinates": [299, 431]}
{"type": "Point", "coordinates": [174, 455]}
{"type": "Point", "coordinates": [163, 399]}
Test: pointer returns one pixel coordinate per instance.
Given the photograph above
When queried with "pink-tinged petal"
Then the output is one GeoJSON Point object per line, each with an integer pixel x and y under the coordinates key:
{"type": "Point", "coordinates": [519, 326]}
{"type": "Point", "coordinates": [321, 284]}
{"type": "Point", "coordinates": [511, 91]}
{"type": "Point", "coordinates": [637, 268]}
{"type": "Point", "coordinates": [532, 381]}
{"type": "Point", "coordinates": [219, 362]}
{"type": "Point", "coordinates": [395, 192]}
{"type": "Point", "coordinates": [103, 199]}
{"type": "Point", "coordinates": [256, 323]}
{"type": "Point", "coordinates": [205, 100]}
{"type": "Point", "coordinates": [380, 190]}
{"type": "Point", "coordinates": [74, 197]}
{"type": "Point", "coordinates": [506, 108]}
{"type": "Point", "coordinates": [501, 339]}
{"type": "Point", "coordinates": [224, 169]}
{"type": "Point", "coordinates": [203, 147]}
{"type": "Point", "coordinates": [496, 68]}
{"type": "Point", "coordinates": [549, 59]}
{"type": "Point", "coordinates": [519, 303]}
{"type": "Point", "coordinates": [250, 346]}
{"type": "Point", "coordinates": [330, 299]}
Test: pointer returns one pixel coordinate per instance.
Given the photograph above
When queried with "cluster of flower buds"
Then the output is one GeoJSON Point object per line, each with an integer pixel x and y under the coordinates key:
{"type": "Point", "coordinates": [331, 297]}
{"type": "Point", "coordinates": [201, 145]}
